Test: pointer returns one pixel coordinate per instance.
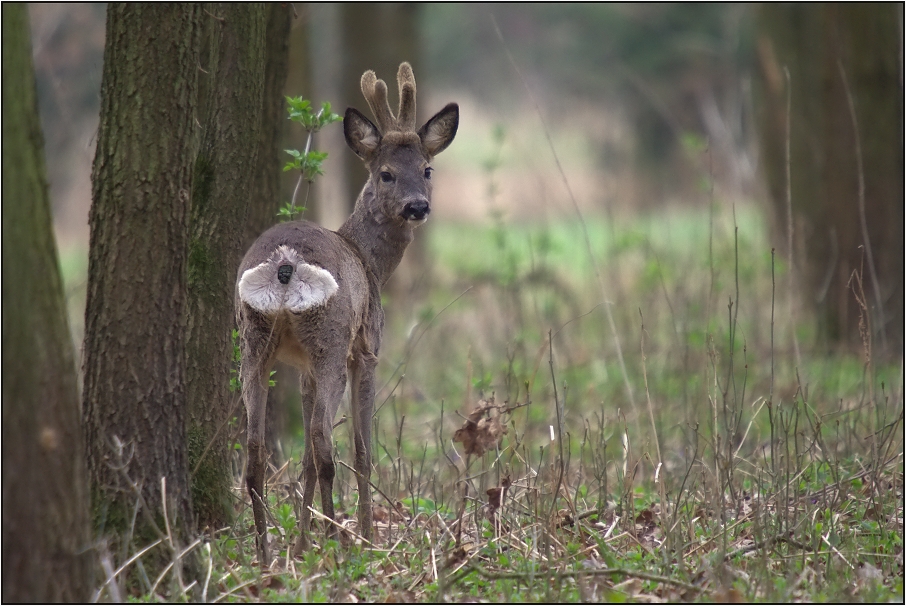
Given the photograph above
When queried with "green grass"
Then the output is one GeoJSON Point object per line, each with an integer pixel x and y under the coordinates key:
{"type": "Point", "coordinates": [712, 463]}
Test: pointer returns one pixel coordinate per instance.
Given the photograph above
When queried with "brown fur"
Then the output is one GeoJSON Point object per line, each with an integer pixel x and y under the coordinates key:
{"type": "Point", "coordinates": [340, 338]}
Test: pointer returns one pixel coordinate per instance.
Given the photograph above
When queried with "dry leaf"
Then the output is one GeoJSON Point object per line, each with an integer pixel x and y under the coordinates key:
{"type": "Point", "coordinates": [497, 494]}
{"type": "Point", "coordinates": [481, 431]}
{"type": "Point", "coordinates": [379, 513]}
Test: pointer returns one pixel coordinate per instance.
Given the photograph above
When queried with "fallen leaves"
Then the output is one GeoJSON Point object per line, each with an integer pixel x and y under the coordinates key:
{"type": "Point", "coordinates": [482, 429]}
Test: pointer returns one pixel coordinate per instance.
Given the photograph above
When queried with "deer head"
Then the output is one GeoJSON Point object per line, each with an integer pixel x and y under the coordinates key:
{"type": "Point", "coordinates": [397, 155]}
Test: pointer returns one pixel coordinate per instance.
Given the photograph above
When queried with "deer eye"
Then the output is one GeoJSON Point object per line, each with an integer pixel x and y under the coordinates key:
{"type": "Point", "coordinates": [386, 177]}
{"type": "Point", "coordinates": [428, 172]}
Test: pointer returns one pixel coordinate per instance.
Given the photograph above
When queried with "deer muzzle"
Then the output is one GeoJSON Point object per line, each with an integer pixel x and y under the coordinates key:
{"type": "Point", "coordinates": [416, 211]}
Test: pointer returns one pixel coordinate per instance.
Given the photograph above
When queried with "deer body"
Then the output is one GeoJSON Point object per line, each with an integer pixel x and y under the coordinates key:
{"type": "Point", "coordinates": [310, 297]}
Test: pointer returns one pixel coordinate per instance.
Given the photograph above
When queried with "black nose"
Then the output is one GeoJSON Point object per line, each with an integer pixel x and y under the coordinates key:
{"type": "Point", "coordinates": [416, 211]}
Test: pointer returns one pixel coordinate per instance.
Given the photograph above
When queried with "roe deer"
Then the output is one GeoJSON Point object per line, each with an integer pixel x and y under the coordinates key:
{"type": "Point", "coordinates": [311, 297]}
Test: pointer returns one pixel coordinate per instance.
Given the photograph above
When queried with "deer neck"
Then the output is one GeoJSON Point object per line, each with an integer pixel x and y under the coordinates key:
{"type": "Point", "coordinates": [380, 241]}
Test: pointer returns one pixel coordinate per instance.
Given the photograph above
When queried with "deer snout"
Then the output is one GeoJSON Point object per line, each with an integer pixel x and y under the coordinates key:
{"type": "Point", "coordinates": [416, 210]}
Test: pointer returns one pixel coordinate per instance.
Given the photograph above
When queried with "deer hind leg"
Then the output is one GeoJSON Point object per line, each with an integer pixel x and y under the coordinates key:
{"type": "Point", "coordinates": [330, 382]}
{"type": "Point", "coordinates": [362, 410]}
{"type": "Point", "coordinates": [255, 375]}
{"type": "Point", "coordinates": [309, 475]}
{"type": "Point", "coordinates": [329, 393]}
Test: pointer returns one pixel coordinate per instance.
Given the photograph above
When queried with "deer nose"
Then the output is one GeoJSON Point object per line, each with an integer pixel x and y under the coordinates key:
{"type": "Point", "coordinates": [416, 211]}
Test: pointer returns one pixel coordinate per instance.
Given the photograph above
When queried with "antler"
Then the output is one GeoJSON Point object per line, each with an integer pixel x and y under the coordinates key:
{"type": "Point", "coordinates": [375, 92]}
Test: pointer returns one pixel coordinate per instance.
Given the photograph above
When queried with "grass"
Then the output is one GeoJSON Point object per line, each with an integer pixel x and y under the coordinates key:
{"type": "Point", "coordinates": [712, 464]}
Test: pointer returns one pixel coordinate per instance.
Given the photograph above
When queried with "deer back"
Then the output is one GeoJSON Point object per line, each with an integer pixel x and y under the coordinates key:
{"type": "Point", "coordinates": [303, 280]}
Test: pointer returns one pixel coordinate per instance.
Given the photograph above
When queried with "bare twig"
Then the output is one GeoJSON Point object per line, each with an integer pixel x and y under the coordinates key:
{"type": "Point", "coordinates": [789, 219]}
{"type": "Point", "coordinates": [863, 223]}
{"type": "Point", "coordinates": [566, 574]}
{"type": "Point", "coordinates": [572, 197]}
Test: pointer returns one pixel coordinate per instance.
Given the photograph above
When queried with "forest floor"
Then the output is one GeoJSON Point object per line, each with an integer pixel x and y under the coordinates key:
{"type": "Point", "coordinates": [623, 410]}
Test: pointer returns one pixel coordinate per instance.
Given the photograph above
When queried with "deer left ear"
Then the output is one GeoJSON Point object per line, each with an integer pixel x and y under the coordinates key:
{"type": "Point", "coordinates": [362, 136]}
{"type": "Point", "coordinates": [438, 132]}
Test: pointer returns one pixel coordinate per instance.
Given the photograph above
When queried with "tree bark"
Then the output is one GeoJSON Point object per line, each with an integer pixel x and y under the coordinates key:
{"type": "Point", "coordinates": [221, 194]}
{"type": "Point", "coordinates": [134, 401]}
{"type": "Point", "coordinates": [267, 188]}
{"type": "Point", "coordinates": [830, 222]}
{"type": "Point", "coordinates": [46, 542]}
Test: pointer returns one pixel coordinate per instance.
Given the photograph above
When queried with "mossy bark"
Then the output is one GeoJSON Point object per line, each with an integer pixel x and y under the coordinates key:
{"type": "Point", "coordinates": [47, 554]}
{"type": "Point", "coordinates": [134, 401]}
{"type": "Point", "coordinates": [223, 185]}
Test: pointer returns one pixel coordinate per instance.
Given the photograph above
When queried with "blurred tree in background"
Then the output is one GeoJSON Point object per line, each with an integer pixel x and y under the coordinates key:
{"type": "Point", "coordinates": [847, 210]}
{"type": "Point", "coordinates": [47, 554]}
{"type": "Point", "coordinates": [376, 36]}
{"type": "Point", "coordinates": [266, 194]}
{"type": "Point", "coordinates": [676, 73]}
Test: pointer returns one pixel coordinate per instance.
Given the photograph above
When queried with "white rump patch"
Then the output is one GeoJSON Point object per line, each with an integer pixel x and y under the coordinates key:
{"type": "Point", "coordinates": [309, 286]}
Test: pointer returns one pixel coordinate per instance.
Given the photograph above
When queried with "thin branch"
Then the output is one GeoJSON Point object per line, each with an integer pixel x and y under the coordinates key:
{"type": "Point", "coordinates": [572, 197]}
{"type": "Point", "coordinates": [565, 574]}
{"type": "Point", "coordinates": [863, 223]}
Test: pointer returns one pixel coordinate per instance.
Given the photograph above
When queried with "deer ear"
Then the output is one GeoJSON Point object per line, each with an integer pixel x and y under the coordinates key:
{"type": "Point", "coordinates": [438, 132]}
{"type": "Point", "coordinates": [362, 136]}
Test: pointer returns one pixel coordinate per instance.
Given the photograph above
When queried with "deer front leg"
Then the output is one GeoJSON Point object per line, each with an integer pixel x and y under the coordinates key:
{"type": "Point", "coordinates": [254, 393]}
{"type": "Point", "coordinates": [362, 405]}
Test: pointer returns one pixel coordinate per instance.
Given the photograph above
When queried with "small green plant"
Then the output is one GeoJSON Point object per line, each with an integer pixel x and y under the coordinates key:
{"type": "Point", "coordinates": [309, 162]}
{"type": "Point", "coordinates": [234, 370]}
{"type": "Point", "coordinates": [286, 517]}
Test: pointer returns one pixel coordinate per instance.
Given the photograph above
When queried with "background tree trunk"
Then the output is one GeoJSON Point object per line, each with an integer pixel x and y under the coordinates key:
{"type": "Point", "coordinates": [380, 36]}
{"type": "Point", "coordinates": [231, 110]}
{"type": "Point", "coordinates": [376, 36]}
{"type": "Point", "coordinates": [46, 543]}
{"type": "Point", "coordinates": [813, 42]}
{"type": "Point", "coordinates": [134, 402]}
{"type": "Point", "coordinates": [268, 192]}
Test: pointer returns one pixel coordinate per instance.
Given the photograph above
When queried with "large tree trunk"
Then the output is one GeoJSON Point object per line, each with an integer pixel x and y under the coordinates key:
{"type": "Point", "coordinates": [134, 402]}
{"type": "Point", "coordinates": [221, 191]}
{"type": "Point", "coordinates": [813, 42]}
{"type": "Point", "coordinates": [46, 543]}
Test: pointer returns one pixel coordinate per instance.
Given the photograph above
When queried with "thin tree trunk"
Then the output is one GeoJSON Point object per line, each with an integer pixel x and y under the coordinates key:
{"type": "Point", "coordinates": [221, 192]}
{"type": "Point", "coordinates": [46, 543]}
{"type": "Point", "coordinates": [134, 401]}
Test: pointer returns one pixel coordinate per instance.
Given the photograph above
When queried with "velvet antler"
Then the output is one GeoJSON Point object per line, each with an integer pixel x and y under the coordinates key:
{"type": "Point", "coordinates": [375, 92]}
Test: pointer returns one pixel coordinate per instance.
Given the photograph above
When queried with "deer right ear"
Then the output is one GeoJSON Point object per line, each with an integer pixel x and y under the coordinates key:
{"type": "Point", "coordinates": [362, 136]}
